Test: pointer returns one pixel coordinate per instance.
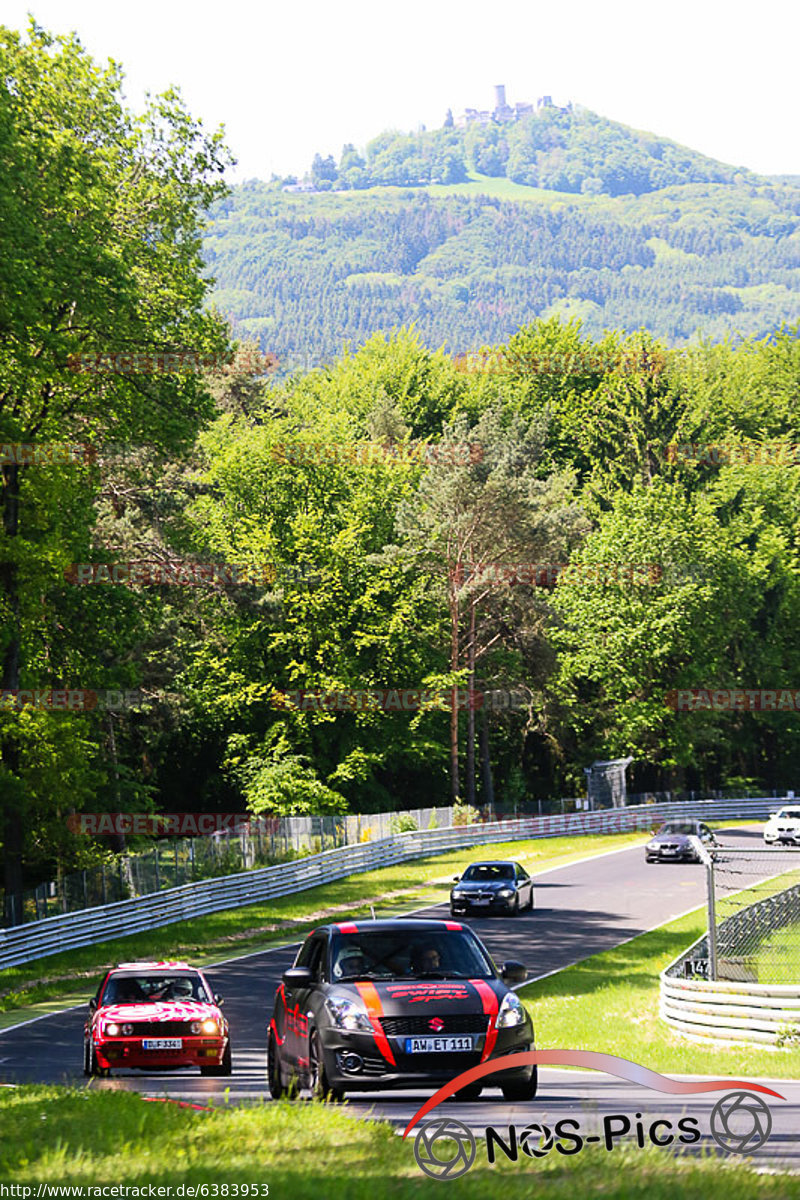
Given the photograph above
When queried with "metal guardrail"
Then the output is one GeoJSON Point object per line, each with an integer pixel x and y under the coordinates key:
{"type": "Point", "coordinates": [725, 1011]}
{"type": "Point", "coordinates": [241, 844]}
{"type": "Point", "coordinates": [52, 935]}
{"type": "Point", "coordinates": [733, 1010]}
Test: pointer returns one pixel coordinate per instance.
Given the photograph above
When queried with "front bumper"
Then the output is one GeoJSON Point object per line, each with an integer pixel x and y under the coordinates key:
{"type": "Point", "coordinates": [128, 1052]}
{"type": "Point", "coordinates": [414, 1070]}
{"type": "Point", "coordinates": [496, 904]}
{"type": "Point", "coordinates": [685, 855]}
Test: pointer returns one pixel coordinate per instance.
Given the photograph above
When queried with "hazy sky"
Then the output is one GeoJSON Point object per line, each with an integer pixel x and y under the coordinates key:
{"type": "Point", "coordinates": [290, 79]}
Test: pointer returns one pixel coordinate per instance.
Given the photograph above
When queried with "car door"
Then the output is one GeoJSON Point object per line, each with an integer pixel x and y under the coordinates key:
{"type": "Point", "coordinates": [94, 1004]}
{"type": "Point", "coordinates": [298, 1001]}
{"type": "Point", "coordinates": [524, 886]}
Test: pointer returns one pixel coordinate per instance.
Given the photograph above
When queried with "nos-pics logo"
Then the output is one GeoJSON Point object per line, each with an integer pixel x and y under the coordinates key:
{"type": "Point", "coordinates": [444, 1148]}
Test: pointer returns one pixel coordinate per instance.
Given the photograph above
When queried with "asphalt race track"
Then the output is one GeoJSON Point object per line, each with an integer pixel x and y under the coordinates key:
{"type": "Point", "coordinates": [581, 909]}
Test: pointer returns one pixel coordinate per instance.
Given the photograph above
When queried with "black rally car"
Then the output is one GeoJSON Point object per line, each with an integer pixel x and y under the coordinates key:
{"type": "Point", "coordinates": [370, 1005]}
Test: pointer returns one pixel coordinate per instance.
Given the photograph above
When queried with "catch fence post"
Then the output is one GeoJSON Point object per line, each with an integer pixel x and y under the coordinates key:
{"type": "Point", "coordinates": [712, 921]}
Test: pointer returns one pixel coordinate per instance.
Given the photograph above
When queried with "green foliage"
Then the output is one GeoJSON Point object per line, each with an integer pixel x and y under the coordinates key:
{"type": "Point", "coordinates": [568, 150]}
{"type": "Point", "coordinates": [352, 550]}
{"type": "Point", "coordinates": [403, 823]}
{"type": "Point", "coordinates": [469, 265]}
{"type": "Point", "coordinates": [465, 814]}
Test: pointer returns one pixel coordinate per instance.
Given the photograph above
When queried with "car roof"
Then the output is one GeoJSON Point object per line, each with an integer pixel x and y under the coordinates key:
{"type": "Point", "coordinates": [494, 862]}
{"type": "Point", "coordinates": [397, 925]}
{"type": "Point", "coordinates": [154, 966]}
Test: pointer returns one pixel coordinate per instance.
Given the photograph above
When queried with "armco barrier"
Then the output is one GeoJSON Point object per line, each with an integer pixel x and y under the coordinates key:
{"type": "Point", "coordinates": [733, 1010]}
{"type": "Point", "coordinates": [725, 1011]}
{"type": "Point", "coordinates": [53, 935]}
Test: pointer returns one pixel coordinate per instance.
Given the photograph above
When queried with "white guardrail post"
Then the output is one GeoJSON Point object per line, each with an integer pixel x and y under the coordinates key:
{"type": "Point", "coordinates": [52, 935]}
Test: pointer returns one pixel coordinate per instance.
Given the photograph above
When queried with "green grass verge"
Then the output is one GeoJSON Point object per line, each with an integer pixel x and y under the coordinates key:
{"type": "Point", "coordinates": [48, 984]}
{"type": "Point", "coordinates": [774, 958]}
{"type": "Point", "coordinates": [609, 1002]}
{"type": "Point", "coordinates": [303, 1151]}
{"type": "Point", "coordinates": [777, 959]}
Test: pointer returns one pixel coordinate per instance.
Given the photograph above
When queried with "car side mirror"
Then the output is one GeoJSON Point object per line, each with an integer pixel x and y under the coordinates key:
{"type": "Point", "coordinates": [456, 878]}
{"type": "Point", "coordinates": [298, 977]}
{"type": "Point", "coordinates": [93, 1005]}
{"type": "Point", "coordinates": [513, 972]}
{"type": "Point", "coordinates": [218, 1000]}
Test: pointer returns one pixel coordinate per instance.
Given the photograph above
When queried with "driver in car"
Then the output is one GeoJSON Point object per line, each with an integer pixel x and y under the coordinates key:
{"type": "Point", "coordinates": [426, 959]}
{"type": "Point", "coordinates": [351, 962]}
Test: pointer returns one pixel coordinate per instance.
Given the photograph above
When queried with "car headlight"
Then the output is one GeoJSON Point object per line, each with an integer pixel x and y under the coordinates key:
{"type": "Point", "coordinates": [506, 892]}
{"type": "Point", "coordinates": [347, 1015]}
{"type": "Point", "coordinates": [111, 1029]}
{"type": "Point", "coordinates": [512, 1011]}
{"type": "Point", "coordinates": [209, 1026]}
{"type": "Point", "coordinates": [127, 1029]}
{"type": "Point", "coordinates": [457, 894]}
{"type": "Point", "coordinates": [653, 845]}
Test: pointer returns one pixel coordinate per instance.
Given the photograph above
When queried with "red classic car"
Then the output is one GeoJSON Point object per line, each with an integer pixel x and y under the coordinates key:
{"type": "Point", "coordinates": [154, 1016]}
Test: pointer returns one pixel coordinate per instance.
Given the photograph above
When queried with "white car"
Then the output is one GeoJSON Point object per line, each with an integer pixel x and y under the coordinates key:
{"type": "Point", "coordinates": [783, 826]}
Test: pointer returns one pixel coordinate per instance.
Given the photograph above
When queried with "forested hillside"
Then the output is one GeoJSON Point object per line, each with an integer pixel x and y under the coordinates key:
{"type": "Point", "coordinates": [564, 149]}
{"type": "Point", "coordinates": [208, 573]}
{"type": "Point", "coordinates": [306, 275]}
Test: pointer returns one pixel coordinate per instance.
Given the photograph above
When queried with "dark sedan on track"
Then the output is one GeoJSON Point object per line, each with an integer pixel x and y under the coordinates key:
{"type": "Point", "coordinates": [671, 842]}
{"type": "Point", "coordinates": [491, 887]}
{"type": "Point", "coordinates": [371, 1005]}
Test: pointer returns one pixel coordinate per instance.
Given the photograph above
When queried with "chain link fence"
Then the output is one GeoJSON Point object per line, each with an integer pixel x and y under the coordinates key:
{"type": "Point", "coordinates": [171, 862]}
{"type": "Point", "coordinates": [754, 914]}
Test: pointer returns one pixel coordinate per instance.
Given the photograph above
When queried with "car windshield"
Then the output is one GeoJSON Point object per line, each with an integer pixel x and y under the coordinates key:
{"type": "Point", "coordinates": [789, 814]}
{"type": "Point", "coordinates": [149, 988]}
{"type": "Point", "coordinates": [685, 827]}
{"type": "Point", "coordinates": [486, 872]}
{"type": "Point", "coordinates": [408, 954]}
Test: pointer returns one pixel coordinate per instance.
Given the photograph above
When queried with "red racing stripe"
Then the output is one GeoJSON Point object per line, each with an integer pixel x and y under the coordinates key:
{"type": "Point", "coordinates": [453, 925]}
{"type": "Point", "coordinates": [280, 1040]}
{"type": "Point", "coordinates": [348, 927]}
{"type": "Point", "coordinates": [490, 1006]}
{"type": "Point", "coordinates": [372, 1002]}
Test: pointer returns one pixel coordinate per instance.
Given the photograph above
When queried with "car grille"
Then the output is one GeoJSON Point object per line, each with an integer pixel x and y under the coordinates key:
{"type": "Point", "coordinates": [158, 1028]}
{"type": "Point", "coordinates": [420, 1026]}
{"type": "Point", "coordinates": [670, 846]}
